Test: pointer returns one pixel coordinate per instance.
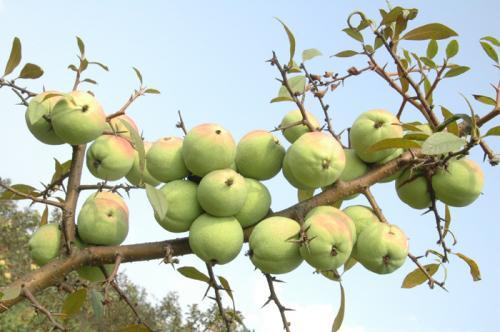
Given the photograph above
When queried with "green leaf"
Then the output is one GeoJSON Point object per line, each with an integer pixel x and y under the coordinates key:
{"type": "Point", "coordinates": [89, 80]}
{"type": "Point", "coordinates": [73, 68]}
{"type": "Point", "coordinates": [23, 188]}
{"type": "Point", "coordinates": [152, 91]}
{"type": "Point", "coordinates": [297, 84]}
{"type": "Point", "coordinates": [412, 126]}
{"type": "Point", "coordinates": [349, 264]}
{"type": "Point", "coordinates": [492, 40]}
{"type": "Point", "coordinates": [134, 328]}
{"type": "Point", "coordinates": [450, 121]}
{"type": "Point", "coordinates": [447, 220]}
{"type": "Point", "coordinates": [391, 16]}
{"type": "Point", "coordinates": [485, 100]}
{"type": "Point", "coordinates": [31, 71]}
{"type": "Point", "coordinates": [452, 49]}
{"type": "Point", "coordinates": [474, 268]}
{"type": "Point", "coordinates": [490, 51]}
{"type": "Point", "coordinates": [103, 66]}
{"type": "Point", "coordinates": [337, 323]}
{"type": "Point", "coordinates": [14, 57]}
{"type": "Point", "coordinates": [157, 200]}
{"type": "Point", "coordinates": [346, 54]}
{"type": "Point", "coordinates": [81, 45]}
{"type": "Point", "coordinates": [427, 86]}
{"type": "Point", "coordinates": [353, 33]}
{"type": "Point", "coordinates": [227, 288]}
{"type": "Point", "coordinates": [193, 273]}
{"type": "Point", "coordinates": [279, 99]}
{"type": "Point", "coordinates": [305, 194]}
{"type": "Point", "coordinates": [455, 71]}
{"type": "Point", "coordinates": [428, 62]}
{"type": "Point", "coordinates": [291, 40]}
{"type": "Point", "coordinates": [416, 136]}
{"type": "Point", "coordinates": [435, 31]}
{"type": "Point", "coordinates": [495, 131]}
{"type": "Point", "coordinates": [96, 299]}
{"type": "Point", "coordinates": [138, 73]}
{"type": "Point", "coordinates": [417, 277]}
{"type": "Point", "coordinates": [60, 169]}
{"type": "Point", "coordinates": [74, 302]}
{"type": "Point", "coordinates": [442, 142]}
{"type": "Point", "coordinates": [45, 216]}
{"type": "Point", "coordinates": [378, 42]}
{"type": "Point", "coordinates": [432, 49]}
{"type": "Point", "coordinates": [310, 53]}
{"type": "Point", "coordinates": [293, 67]}
{"type": "Point", "coordinates": [10, 292]}
{"type": "Point", "coordinates": [393, 143]}
{"type": "Point", "coordinates": [137, 142]}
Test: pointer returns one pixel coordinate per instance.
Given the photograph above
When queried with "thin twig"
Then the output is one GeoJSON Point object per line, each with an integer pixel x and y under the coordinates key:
{"type": "Point", "coordinates": [431, 281]}
{"type": "Point", "coordinates": [31, 197]}
{"type": "Point", "coordinates": [218, 299]}
{"type": "Point", "coordinates": [42, 309]}
{"type": "Point", "coordinates": [13, 85]}
{"type": "Point", "coordinates": [181, 124]}
{"type": "Point", "coordinates": [376, 208]}
{"type": "Point", "coordinates": [102, 185]}
{"type": "Point", "coordinates": [130, 100]}
{"type": "Point", "coordinates": [274, 297]}
{"type": "Point", "coordinates": [111, 277]}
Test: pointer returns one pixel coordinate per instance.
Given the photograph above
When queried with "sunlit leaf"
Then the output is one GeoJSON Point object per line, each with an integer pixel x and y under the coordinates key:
{"type": "Point", "coordinates": [279, 99]}
{"type": "Point", "coordinates": [474, 268]}
{"type": "Point", "coordinates": [22, 188]}
{"type": "Point", "coordinates": [391, 16]}
{"type": "Point", "coordinates": [485, 100]}
{"type": "Point", "coordinates": [417, 277]}
{"type": "Point", "coordinates": [435, 31]}
{"type": "Point", "coordinates": [14, 57]}
{"type": "Point", "coordinates": [442, 142]}
{"type": "Point", "coordinates": [346, 54]}
{"type": "Point", "coordinates": [74, 302]}
{"type": "Point", "coordinates": [490, 51]}
{"type": "Point", "coordinates": [495, 131]}
{"type": "Point", "coordinates": [157, 200]}
{"type": "Point", "coordinates": [337, 323]}
{"type": "Point", "coordinates": [455, 71]}
{"type": "Point", "coordinates": [452, 49]}
{"type": "Point", "coordinates": [310, 53]}
{"type": "Point", "coordinates": [193, 273]}
{"type": "Point", "coordinates": [31, 71]}
{"type": "Point", "coordinates": [492, 40]}
{"type": "Point", "coordinates": [432, 49]}
{"type": "Point", "coordinates": [450, 121]}
{"type": "Point", "coordinates": [393, 143]}
{"type": "Point", "coordinates": [353, 33]}
{"type": "Point", "coordinates": [291, 40]}
{"type": "Point", "coordinates": [225, 284]}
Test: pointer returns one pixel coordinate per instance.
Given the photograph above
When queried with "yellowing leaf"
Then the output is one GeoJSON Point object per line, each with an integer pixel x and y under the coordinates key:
{"type": "Point", "coordinates": [417, 277]}
{"type": "Point", "coordinates": [474, 268]}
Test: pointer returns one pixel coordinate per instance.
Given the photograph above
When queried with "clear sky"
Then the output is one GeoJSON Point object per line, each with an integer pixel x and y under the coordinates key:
{"type": "Point", "coordinates": [208, 60]}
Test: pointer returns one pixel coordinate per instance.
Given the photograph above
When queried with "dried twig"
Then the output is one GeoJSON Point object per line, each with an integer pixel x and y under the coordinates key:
{"type": "Point", "coordinates": [27, 294]}
{"type": "Point", "coordinates": [274, 297]}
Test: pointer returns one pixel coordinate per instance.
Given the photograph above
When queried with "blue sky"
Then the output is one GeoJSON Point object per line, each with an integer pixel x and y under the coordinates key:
{"type": "Point", "coordinates": [208, 60]}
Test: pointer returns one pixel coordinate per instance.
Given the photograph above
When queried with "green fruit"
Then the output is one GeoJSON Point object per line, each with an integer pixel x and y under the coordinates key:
{"type": "Point", "coordinates": [293, 133]}
{"type": "Point", "coordinates": [116, 126]}
{"type": "Point", "coordinates": [216, 239]}
{"type": "Point", "coordinates": [274, 245]}
{"type": "Point", "coordinates": [362, 216]}
{"type": "Point", "coordinates": [108, 195]}
{"type": "Point", "coordinates": [329, 241]}
{"type": "Point", "coordinates": [372, 127]}
{"type": "Point", "coordinates": [382, 248]}
{"type": "Point", "coordinates": [164, 160]}
{"type": "Point", "coordinates": [293, 180]}
{"type": "Point", "coordinates": [110, 157]}
{"type": "Point", "coordinates": [256, 205]}
{"type": "Point", "coordinates": [208, 147]}
{"type": "Point", "coordinates": [354, 168]}
{"type": "Point", "coordinates": [259, 155]}
{"type": "Point", "coordinates": [78, 118]}
{"type": "Point", "coordinates": [38, 118]}
{"type": "Point", "coordinates": [338, 215]}
{"type": "Point", "coordinates": [183, 207]}
{"type": "Point", "coordinates": [316, 159]}
{"type": "Point", "coordinates": [412, 189]}
{"type": "Point", "coordinates": [392, 156]}
{"type": "Point", "coordinates": [92, 273]}
{"type": "Point", "coordinates": [103, 221]}
{"type": "Point", "coordinates": [138, 178]}
{"type": "Point", "coordinates": [460, 184]}
{"type": "Point", "coordinates": [45, 243]}
{"type": "Point", "coordinates": [222, 193]}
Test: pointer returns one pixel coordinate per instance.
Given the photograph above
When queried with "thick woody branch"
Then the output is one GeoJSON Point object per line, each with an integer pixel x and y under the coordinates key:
{"type": "Point", "coordinates": [215, 285]}
{"type": "Point", "coordinates": [274, 297]}
{"type": "Point", "coordinates": [27, 294]}
{"type": "Point", "coordinates": [34, 199]}
{"type": "Point", "coordinates": [52, 273]}
{"type": "Point", "coordinates": [375, 207]}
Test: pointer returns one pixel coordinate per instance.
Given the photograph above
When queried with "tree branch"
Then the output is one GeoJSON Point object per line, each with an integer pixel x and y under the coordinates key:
{"type": "Point", "coordinates": [123, 109]}
{"type": "Point", "coordinates": [181, 125]}
{"type": "Point", "coordinates": [27, 294]}
{"type": "Point", "coordinates": [431, 280]}
{"type": "Point", "coordinates": [217, 288]}
{"type": "Point", "coordinates": [31, 197]}
{"type": "Point", "coordinates": [274, 297]}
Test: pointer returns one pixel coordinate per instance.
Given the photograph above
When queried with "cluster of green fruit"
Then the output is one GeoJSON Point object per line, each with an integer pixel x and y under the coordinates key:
{"type": "Point", "coordinates": [213, 190]}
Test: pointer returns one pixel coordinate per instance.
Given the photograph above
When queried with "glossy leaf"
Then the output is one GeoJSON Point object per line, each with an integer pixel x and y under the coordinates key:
{"type": "Point", "coordinates": [452, 49]}
{"type": "Point", "coordinates": [442, 142]}
{"type": "Point", "coordinates": [474, 268]}
{"type": "Point", "coordinates": [14, 57]}
{"type": "Point", "coordinates": [417, 277]}
{"type": "Point", "coordinates": [492, 40]}
{"type": "Point", "coordinates": [495, 131]}
{"type": "Point", "coordinates": [455, 71]}
{"type": "Point", "coordinates": [74, 303]}
{"type": "Point", "coordinates": [355, 34]}
{"type": "Point", "coordinates": [435, 31]}
{"type": "Point", "coordinates": [45, 216]}
{"type": "Point", "coordinates": [337, 323]}
{"type": "Point", "coordinates": [81, 45]}
{"type": "Point", "coordinates": [193, 273]}
{"type": "Point", "coordinates": [346, 54]}
{"type": "Point", "coordinates": [291, 40]}
{"type": "Point", "coordinates": [157, 200]}
{"type": "Point", "coordinates": [432, 49]}
{"type": "Point", "coordinates": [310, 53]}
{"type": "Point", "coordinates": [393, 143]}
{"type": "Point", "coordinates": [490, 51]}
{"type": "Point", "coordinates": [485, 100]}
{"type": "Point", "coordinates": [138, 73]}
{"type": "Point", "coordinates": [31, 71]}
